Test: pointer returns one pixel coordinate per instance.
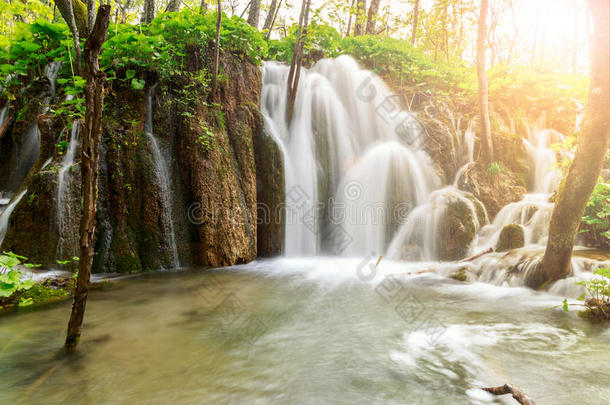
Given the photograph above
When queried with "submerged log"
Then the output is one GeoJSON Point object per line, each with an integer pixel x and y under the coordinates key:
{"type": "Point", "coordinates": [515, 391]}
{"type": "Point", "coordinates": [471, 258]}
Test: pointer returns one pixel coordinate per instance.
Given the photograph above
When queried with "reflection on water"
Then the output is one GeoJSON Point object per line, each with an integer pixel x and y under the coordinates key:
{"type": "Point", "coordinates": [310, 331]}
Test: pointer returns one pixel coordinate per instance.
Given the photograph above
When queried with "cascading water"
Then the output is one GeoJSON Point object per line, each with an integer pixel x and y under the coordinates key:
{"type": "Point", "coordinates": [6, 214]}
{"type": "Point", "coordinates": [163, 180]}
{"type": "Point", "coordinates": [4, 195]}
{"type": "Point", "coordinates": [27, 153]}
{"type": "Point", "coordinates": [351, 158]}
{"type": "Point", "coordinates": [64, 206]}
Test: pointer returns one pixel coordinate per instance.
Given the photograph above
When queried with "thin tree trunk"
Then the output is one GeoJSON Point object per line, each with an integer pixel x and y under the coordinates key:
{"type": "Point", "coordinates": [349, 23]}
{"type": "Point", "coordinates": [372, 17]}
{"type": "Point", "coordinates": [360, 17]}
{"type": "Point", "coordinates": [94, 99]}
{"type": "Point", "coordinates": [254, 13]}
{"type": "Point", "coordinates": [270, 16]}
{"type": "Point", "coordinates": [149, 11]}
{"type": "Point", "coordinates": [589, 159]}
{"type": "Point", "coordinates": [277, 10]}
{"type": "Point", "coordinates": [203, 7]}
{"type": "Point", "coordinates": [217, 52]}
{"type": "Point", "coordinates": [90, 15]}
{"type": "Point", "coordinates": [486, 140]}
{"type": "Point", "coordinates": [173, 6]}
{"type": "Point", "coordinates": [415, 17]}
{"type": "Point", "coordinates": [78, 8]}
{"type": "Point", "coordinates": [76, 37]}
{"type": "Point", "coordinates": [297, 59]}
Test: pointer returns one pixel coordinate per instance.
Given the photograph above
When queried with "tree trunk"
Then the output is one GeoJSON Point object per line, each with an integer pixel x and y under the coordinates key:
{"type": "Point", "coordinates": [270, 16]}
{"type": "Point", "coordinates": [297, 60]}
{"type": "Point", "coordinates": [80, 14]}
{"type": "Point", "coordinates": [485, 136]}
{"type": "Point", "coordinates": [589, 159]}
{"type": "Point", "coordinates": [203, 7]}
{"type": "Point", "coordinates": [360, 17]}
{"type": "Point", "coordinates": [254, 13]}
{"type": "Point", "coordinates": [94, 99]}
{"type": "Point", "coordinates": [349, 22]}
{"type": "Point", "coordinates": [277, 11]}
{"type": "Point", "coordinates": [173, 6]}
{"type": "Point", "coordinates": [217, 52]}
{"type": "Point", "coordinates": [149, 11]}
{"type": "Point", "coordinates": [76, 38]}
{"type": "Point", "coordinates": [372, 17]}
{"type": "Point", "coordinates": [415, 17]}
{"type": "Point", "coordinates": [90, 15]}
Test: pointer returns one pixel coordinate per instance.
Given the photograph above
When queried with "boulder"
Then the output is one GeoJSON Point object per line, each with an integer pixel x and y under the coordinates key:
{"type": "Point", "coordinates": [511, 237]}
{"type": "Point", "coordinates": [456, 232]}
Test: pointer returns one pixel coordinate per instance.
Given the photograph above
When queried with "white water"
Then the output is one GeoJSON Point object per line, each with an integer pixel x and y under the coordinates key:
{"type": "Point", "coordinates": [353, 167]}
{"type": "Point", "coordinates": [163, 181]}
{"type": "Point", "coordinates": [63, 209]}
{"type": "Point", "coordinates": [6, 214]}
{"type": "Point", "coordinates": [51, 71]}
{"type": "Point", "coordinates": [4, 195]}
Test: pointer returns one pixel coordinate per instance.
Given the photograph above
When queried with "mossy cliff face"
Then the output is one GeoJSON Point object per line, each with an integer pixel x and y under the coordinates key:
{"type": "Point", "coordinates": [221, 166]}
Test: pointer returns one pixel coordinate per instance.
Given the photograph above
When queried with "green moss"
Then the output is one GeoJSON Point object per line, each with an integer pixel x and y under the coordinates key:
{"type": "Point", "coordinates": [511, 237]}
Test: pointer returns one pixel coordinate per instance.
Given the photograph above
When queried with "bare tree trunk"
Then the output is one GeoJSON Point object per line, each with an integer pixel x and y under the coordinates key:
{"type": "Point", "coordinates": [90, 15]}
{"type": "Point", "coordinates": [589, 159]}
{"type": "Point", "coordinates": [487, 154]}
{"type": "Point", "coordinates": [372, 17]}
{"type": "Point", "coordinates": [76, 38]}
{"type": "Point", "coordinates": [360, 17]}
{"type": "Point", "coordinates": [217, 52]}
{"type": "Point", "coordinates": [173, 6]}
{"type": "Point", "coordinates": [277, 11]}
{"type": "Point", "coordinates": [79, 10]}
{"type": "Point", "coordinates": [351, 14]}
{"type": "Point", "coordinates": [415, 17]}
{"type": "Point", "coordinates": [270, 16]}
{"type": "Point", "coordinates": [297, 59]}
{"type": "Point", "coordinates": [254, 13]}
{"type": "Point", "coordinates": [94, 99]}
{"type": "Point", "coordinates": [149, 11]}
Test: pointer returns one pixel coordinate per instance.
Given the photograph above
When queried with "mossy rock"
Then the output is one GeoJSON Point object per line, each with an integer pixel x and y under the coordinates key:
{"type": "Point", "coordinates": [460, 274]}
{"type": "Point", "coordinates": [456, 231]}
{"type": "Point", "coordinates": [511, 237]}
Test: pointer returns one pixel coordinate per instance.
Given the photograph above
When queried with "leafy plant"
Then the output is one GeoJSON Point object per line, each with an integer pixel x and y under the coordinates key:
{"type": "Point", "coordinates": [494, 169]}
{"type": "Point", "coordinates": [597, 298]}
{"type": "Point", "coordinates": [596, 221]}
{"type": "Point", "coordinates": [12, 282]}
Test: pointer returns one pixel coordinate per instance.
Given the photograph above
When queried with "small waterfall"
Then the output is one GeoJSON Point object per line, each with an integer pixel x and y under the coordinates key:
{"type": "Point", "coordinates": [26, 156]}
{"type": "Point", "coordinates": [351, 157]}
{"type": "Point", "coordinates": [64, 206]}
{"type": "Point", "coordinates": [3, 115]}
{"type": "Point", "coordinates": [6, 214]}
{"type": "Point", "coordinates": [418, 237]}
{"type": "Point", "coordinates": [163, 180]}
{"type": "Point", "coordinates": [51, 71]}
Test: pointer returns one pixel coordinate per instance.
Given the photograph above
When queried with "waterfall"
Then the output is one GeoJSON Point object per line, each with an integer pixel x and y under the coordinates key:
{"type": "Point", "coordinates": [163, 181]}
{"type": "Point", "coordinates": [27, 152]}
{"type": "Point", "coordinates": [51, 71]}
{"type": "Point", "coordinates": [6, 214]}
{"type": "Point", "coordinates": [352, 158]}
{"type": "Point", "coordinates": [64, 206]}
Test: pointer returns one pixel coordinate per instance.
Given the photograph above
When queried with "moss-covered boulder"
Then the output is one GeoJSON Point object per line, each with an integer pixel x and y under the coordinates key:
{"type": "Point", "coordinates": [511, 237]}
{"type": "Point", "coordinates": [456, 231]}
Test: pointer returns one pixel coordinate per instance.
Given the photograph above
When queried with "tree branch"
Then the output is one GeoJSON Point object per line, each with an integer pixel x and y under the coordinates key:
{"type": "Point", "coordinates": [515, 391]}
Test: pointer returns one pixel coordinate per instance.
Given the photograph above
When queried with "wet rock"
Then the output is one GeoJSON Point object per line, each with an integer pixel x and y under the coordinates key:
{"type": "Point", "coordinates": [512, 236]}
{"type": "Point", "coordinates": [456, 231]}
{"type": "Point", "coordinates": [493, 190]}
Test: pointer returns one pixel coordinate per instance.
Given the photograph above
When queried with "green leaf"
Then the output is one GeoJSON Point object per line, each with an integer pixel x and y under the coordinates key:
{"type": "Point", "coordinates": [565, 305]}
{"type": "Point", "coordinates": [137, 84]}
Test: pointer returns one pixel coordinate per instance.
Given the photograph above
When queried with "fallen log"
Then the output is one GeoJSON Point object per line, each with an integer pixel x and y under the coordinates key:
{"type": "Point", "coordinates": [515, 391]}
{"type": "Point", "coordinates": [471, 258]}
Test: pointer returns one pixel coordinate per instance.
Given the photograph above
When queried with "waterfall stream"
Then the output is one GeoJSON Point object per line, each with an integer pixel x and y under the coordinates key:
{"type": "Point", "coordinates": [64, 206]}
{"type": "Point", "coordinates": [6, 214]}
{"type": "Point", "coordinates": [163, 181]}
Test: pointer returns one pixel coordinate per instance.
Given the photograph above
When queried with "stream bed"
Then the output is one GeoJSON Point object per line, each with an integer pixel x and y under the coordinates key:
{"type": "Point", "coordinates": [305, 331]}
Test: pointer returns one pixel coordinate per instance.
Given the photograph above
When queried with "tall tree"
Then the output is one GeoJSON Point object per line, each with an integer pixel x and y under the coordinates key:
{"type": "Point", "coordinates": [94, 102]}
{"type": "Point", "coordinates": [360, 17]}
{"type": "Point", "coordinates": [254, 13]}
{"type": "Point", "coordinates": [203, 7]}
{"type": "Point", "coordinates": [149, 11]}
{"type": "Point", "coordinates": [372, 17]}
{"type": "Point", "coordinates": [270, 16]}
{"type": "Point", "coordinates": [415, 18]}
{"type": "Point", "coordinates": [349, 22]}
{"type": "Point", "coordinates": [173, 6]}
{"type": "Point", "coordinates": [487, 155]}
{"type": "Point", "coordinates": [590, 155]}
{"type": "Point", "coordinates": [216, 52]}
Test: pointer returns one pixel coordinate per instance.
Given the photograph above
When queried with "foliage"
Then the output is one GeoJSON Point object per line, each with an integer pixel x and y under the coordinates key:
{"type": "Point", "coordinates": [597, 216]}
{"type": "Point", "coordinates": [12, 283]}
{"type": "Point", "coordinates": [494, 169]}
{"type": "Point", "coordinates": [597, 298]}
